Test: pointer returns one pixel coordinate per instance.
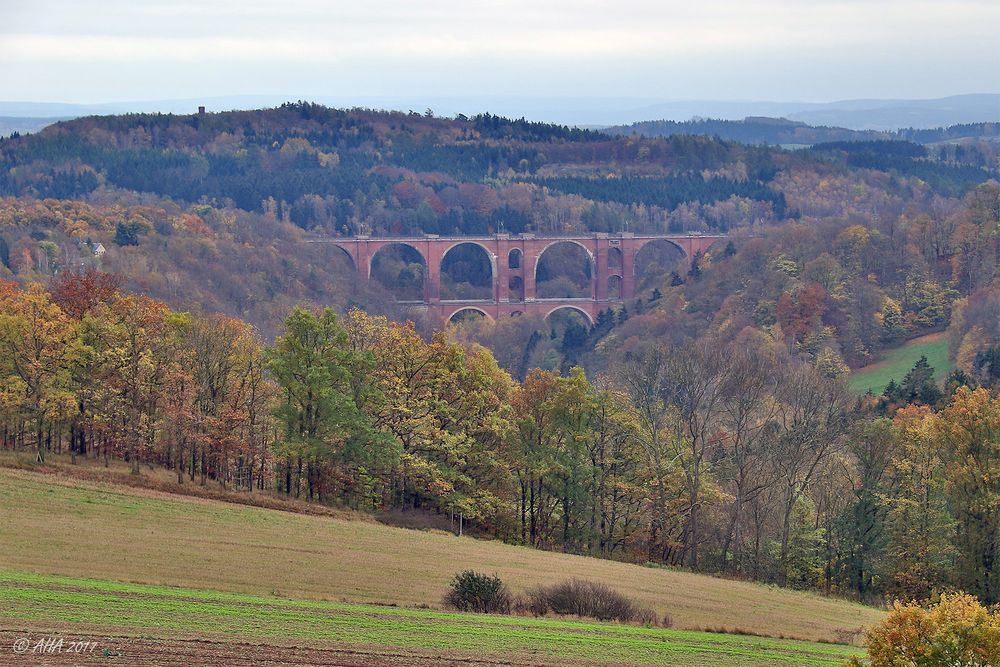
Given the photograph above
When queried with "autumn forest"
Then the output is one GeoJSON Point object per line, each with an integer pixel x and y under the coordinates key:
{"type": "Point", "coordinates": [161, 304]}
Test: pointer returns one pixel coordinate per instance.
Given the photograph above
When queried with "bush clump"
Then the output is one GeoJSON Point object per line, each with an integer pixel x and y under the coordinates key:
{"type": "Point", "coordinates": [477, 592]}
{"type": "Point", "coordinates": [958, 630]}
{"type": "Point", "coordinates": [587, 599]}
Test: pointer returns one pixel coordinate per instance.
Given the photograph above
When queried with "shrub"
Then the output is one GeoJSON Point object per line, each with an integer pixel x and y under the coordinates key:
{"type": "Point", "coordinates": [530, 604]}
{"type": "Point", "coordinates": [476, 592]}
{"type": "Point", "coordinates": [956, 631]}
{"type": "Point", "coordinates": [645, 616]}
{"type": "Point", "coordinates": [587, 599]}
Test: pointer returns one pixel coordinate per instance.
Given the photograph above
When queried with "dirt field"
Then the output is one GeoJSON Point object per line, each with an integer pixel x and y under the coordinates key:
{"type": "Point", "coordinates": [143, 652]}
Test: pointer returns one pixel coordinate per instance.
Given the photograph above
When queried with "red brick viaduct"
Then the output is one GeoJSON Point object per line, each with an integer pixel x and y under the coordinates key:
{"type": "Point", "coordinates": [514, 262]}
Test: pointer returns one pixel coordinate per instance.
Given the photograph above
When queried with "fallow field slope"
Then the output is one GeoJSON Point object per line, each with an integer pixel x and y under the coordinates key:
{"type": "Point", "coordinates": [62, 526]}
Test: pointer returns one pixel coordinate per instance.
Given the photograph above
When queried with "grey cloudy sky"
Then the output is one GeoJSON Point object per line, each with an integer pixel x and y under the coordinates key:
{"type": "Point", "coordinates": [804, 50]}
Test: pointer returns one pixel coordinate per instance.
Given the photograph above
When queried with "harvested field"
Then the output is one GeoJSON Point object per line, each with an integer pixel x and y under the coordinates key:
{"type": "Point", "coordinates": [54, 524]}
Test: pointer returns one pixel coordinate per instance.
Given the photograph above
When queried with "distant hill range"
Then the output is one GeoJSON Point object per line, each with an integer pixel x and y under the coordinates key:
{"type": "Point", "coordinates": [785, 132]}
{"type": "Point", "coordinates": [864, 115]}
{"type": "Point", "coordinates": [861, 114]}
{"type": "Point", "coordinates": [11, 124]}
{"type": "Point", "coordinates": [895, 114]}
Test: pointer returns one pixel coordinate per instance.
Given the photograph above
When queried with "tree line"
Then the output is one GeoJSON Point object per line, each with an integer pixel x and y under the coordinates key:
{"type": "Point", "coordinates": [742, 457]}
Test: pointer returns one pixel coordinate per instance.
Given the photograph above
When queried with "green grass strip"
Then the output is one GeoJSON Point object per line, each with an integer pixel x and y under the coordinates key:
{"type": "Point", "coordinates": [168, 612]}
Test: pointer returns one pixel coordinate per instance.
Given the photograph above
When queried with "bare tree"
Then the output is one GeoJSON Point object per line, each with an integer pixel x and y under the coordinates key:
{"type": "Point", "coordinates": [698, 372]}
{"type": "Point", "coordinates": [746, 416]}
{"type": "Point", "coordinates": [812, 420]}
{"type": "Point", "coordinates": [644, 376]}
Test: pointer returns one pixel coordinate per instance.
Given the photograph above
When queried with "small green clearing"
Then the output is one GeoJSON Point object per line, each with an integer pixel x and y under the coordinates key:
{"type": "Point", "coordinates": [899, 361]}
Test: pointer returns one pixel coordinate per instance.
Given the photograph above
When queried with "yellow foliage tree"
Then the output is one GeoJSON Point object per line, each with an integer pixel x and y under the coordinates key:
{"type": "Point", "coordinates": [956, 632]}
{"type": "Point", "coordinates": [39, 344]}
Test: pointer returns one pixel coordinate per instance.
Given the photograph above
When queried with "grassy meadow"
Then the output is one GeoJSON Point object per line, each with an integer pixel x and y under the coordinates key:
{"type": "Point", "coordinates": [198, 624]}
{"type": "Point", "coordinates": [89, 553]}
{"type": "Point", "coordinates": [123, 534]}
{"type": "Point", "coordinates": [899, 361]}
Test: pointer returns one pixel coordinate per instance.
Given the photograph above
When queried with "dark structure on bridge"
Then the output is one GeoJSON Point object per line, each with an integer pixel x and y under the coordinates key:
{"type": "Point", "coordinates": [514, 263]}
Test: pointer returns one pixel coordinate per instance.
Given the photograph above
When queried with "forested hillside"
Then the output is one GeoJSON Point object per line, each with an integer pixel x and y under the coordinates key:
{"type": "Point", "coordinates": [353, 171]}
{"type": "Point", "coordinates": [853, 246]}
{"type": "Point", "coordinates": [751, 130]}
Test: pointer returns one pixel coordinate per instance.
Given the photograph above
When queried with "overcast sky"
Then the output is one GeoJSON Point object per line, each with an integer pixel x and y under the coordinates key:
{"type": "Point", "coordinates": [787, 50]}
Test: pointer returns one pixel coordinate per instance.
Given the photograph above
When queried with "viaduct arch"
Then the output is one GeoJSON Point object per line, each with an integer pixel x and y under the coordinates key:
{"type": "Point", "coordinates": [514, 261]}
{"type": "Point", "coordinates": [468, 309]}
